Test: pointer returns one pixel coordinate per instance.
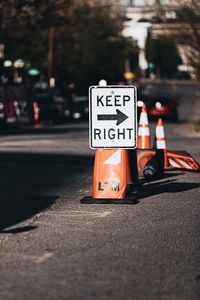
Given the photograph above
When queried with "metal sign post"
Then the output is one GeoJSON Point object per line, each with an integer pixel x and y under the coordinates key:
{"type": "Point", "coordinates": [113, 117]}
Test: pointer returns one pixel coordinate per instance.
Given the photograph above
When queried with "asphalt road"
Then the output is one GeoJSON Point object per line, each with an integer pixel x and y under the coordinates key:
{"type": "Point", "coordinates": [53, 247]}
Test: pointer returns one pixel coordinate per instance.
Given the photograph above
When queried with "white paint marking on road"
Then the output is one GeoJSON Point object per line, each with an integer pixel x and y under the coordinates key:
{"type": "Point", "coordinates": [105, 214]}
{"type": "Point", "coordinates": [40, 259]}
{"type": "Point", "coordinates": [77, 213]}
{"type": "Point", "coordinates": [36, 258]}
{"type": "Point", "coordinates": [44, 223]}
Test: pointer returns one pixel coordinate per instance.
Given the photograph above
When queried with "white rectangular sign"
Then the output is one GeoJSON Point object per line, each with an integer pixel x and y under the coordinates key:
{"type": "Point", "coordinates": [112, 117]}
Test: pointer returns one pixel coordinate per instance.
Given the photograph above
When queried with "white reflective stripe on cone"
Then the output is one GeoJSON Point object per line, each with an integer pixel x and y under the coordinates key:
{"type": "Point", "coordinates": [143, 131]}
{"type": "Point", "coordinates": [161, 144]}
{"type": "Point", "coordinates": [114, 159]}
{"type": "Point", "coordinates": [143, 118]}
{"type": "Point", "coordinates": [160, 132]}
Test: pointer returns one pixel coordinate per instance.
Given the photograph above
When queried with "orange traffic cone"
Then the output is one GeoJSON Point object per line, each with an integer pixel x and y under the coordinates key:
{"type": "Point", "coordinates": [36, 116]}
{"type": "Point", "coordinates": [144, 141]}
{"type": "Point", "coordinates": [182, 160]}
{"type": "Point", "coordinates": [111, 178]}
{"type": "Point", "coordinates": [160, 142]}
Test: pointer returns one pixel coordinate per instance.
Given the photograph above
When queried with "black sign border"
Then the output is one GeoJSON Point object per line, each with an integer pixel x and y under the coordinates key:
{"type": "Point", "coordinates": [90, 114]}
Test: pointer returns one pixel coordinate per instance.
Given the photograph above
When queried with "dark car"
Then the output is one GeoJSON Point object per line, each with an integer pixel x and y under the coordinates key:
{"type": "Point", "coordinates": [50, 105]}
{"type": "Point", "coordinates": [78, 108]}
{"type": "Point", "coordinates": [159, 106]}
{"type": "Point", "coordinates": [182, 75]}
{"type": "Point", "coordinates": [15, 106]}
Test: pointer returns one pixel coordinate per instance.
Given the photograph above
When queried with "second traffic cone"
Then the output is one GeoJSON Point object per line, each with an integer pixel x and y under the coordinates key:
{"type": "Point", "coordinates": [160, 142]}
{"type": "Point", "coordinates": [144, 141]}
{"type": "Point", "coordinates": [111, 178]}
{"type": "Point", "coordinates": [152, 163]}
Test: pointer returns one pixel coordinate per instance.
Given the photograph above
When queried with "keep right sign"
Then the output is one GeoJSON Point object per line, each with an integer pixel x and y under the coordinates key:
{"type": "Point", "coordinates": [113, 117]}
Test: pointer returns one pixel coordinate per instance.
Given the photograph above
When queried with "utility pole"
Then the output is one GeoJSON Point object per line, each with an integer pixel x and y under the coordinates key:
{"type": "Point", "coordinates": [51, 52]}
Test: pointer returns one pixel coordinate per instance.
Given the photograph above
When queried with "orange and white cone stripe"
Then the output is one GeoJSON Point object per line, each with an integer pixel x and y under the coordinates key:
{"type": "Point", "coordinates": [111, 174]}
{"type": "Point", "coordinates": [114, 159]}
{"type": "Point", "coordinates": [161, 142]}
{"type": "Point", "coordinates": [144, 141]}
{"type": "Point", "coordinates": [160, 135]}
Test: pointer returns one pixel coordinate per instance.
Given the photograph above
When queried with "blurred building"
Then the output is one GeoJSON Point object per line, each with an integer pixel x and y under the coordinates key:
{"type": "Point", "coordinates": [148, 10]}
{"type": "Point", "coordinates": [155, 18]}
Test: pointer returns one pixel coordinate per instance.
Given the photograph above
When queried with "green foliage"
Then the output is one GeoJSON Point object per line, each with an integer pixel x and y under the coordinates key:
{"type": "Point", "coordinates": [164, 55]}
{"type": "Point", "coordinates": [88, 44]}
{"type": "Point", "coordinates": [189, 34]}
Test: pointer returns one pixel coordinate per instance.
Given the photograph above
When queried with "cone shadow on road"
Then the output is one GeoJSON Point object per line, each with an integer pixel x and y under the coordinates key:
{"type": "Point", "coordinates": [18, 229]}
{"type": "Point", "coordinates": [14, 210]}
{"type": "Point", "coordinates": [167, 186]}
{"type": "Point", "coordinates": [31, 182]}
{"type": "Point", "coordinates": [164, 176]}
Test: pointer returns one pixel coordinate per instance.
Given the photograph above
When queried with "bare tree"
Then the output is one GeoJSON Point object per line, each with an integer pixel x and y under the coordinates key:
{"type": "Point", "coordinates": [186, 29]}
{"type": "Point", "coordinates": [189, 34]}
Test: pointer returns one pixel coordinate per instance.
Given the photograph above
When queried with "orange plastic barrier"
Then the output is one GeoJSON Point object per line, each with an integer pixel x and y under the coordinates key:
{"type": "Point", "coordinates": [182, 160]}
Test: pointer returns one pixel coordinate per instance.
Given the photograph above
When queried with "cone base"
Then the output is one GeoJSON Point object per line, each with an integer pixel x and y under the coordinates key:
{"type": "Point", "coordinates": [90, 200]}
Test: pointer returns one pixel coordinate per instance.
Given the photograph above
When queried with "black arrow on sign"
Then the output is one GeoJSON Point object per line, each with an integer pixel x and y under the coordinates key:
{"type": "Point", "coordinates": [119, 117]}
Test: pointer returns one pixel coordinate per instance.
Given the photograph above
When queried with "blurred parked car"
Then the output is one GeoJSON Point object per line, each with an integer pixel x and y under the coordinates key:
{"type": "Point", "coordinates": [50, 104]}
{"type": "Point", "coordinates": [159, 105]}
{"type": "Point", "coordinates": [15, 106]}
{"type": "Point", "coordinates": [182, 75]}
{"type": "Point", "coordinates": [78, 108]}
{"type": "Point", "coordinates": [159, 100]}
